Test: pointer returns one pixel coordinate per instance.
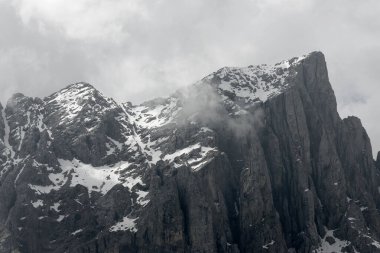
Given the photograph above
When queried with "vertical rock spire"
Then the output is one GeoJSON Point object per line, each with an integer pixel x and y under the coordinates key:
{"type": "Point", "coordinates": [268, 166]}
{"type": "Point", "coordinates": [2, 123]}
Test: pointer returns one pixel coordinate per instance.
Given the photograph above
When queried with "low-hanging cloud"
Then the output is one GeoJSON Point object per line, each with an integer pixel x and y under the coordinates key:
{"type": "Point", "coordinates": [202, 103]}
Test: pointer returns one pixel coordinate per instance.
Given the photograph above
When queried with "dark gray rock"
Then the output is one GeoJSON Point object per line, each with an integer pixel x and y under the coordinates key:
{"type": "Point", "coordinates": [251, 159]}
{"type": "Point", "coordinates": [2, 126]}
{"type": "Point", "coordinates": [330, 240]}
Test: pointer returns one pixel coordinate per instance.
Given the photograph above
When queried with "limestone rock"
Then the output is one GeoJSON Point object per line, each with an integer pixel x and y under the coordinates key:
{"type": "Point", "coordinates": [253, 159]}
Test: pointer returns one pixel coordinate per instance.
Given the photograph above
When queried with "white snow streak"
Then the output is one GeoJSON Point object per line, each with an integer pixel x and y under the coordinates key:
{"type": "Point", "coordinates": [124, 225]}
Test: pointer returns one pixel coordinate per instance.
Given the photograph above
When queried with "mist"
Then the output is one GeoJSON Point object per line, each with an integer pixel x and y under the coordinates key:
{"type": "Point", "coordinates": [202, 103]}
{"type": "Point", "coordinates": [137, 50]}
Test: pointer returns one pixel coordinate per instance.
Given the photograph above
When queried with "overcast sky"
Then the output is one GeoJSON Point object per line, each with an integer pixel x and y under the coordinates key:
{"type": "Point", "coordinates": [134, 50]}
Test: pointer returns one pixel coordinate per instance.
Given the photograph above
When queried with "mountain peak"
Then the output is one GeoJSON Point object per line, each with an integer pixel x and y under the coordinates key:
{"type": "Point", "coordinates": [255, 83]}
{"type": "Point", "coordinates": [240, 88]}
{"type": "Point", "coordinates": [315, 54]}
{"type": "Point", "coordinates": [265, 165]}
{"type": "Point", "coordinates": [79, 88]}
{"type": "Point", "coordinates": [15, 99]}
{"type": "Point", "coordinates": [79, 92]}
{"type": "Point", "coordinates": [78, 99]}
{"type": "Point", "coordinates": [80, 85]}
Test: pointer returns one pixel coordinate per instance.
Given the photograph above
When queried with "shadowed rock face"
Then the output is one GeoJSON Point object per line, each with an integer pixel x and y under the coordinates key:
{"type": "Point", "coordinates": [2, 130]}
{"type": "Point", "coordinates": [251, 159]}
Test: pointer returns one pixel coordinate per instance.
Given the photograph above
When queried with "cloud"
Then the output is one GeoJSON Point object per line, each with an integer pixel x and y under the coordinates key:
{"type": "Point", "coordinates": [202, 103]}
{"type": "Point", "coordinates": [139, 49]}
{"type": "Point", "coordinates": [81, 19]}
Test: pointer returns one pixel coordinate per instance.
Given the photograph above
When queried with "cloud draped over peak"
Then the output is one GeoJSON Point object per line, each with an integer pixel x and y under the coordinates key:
{"type": "Point", "coordinates": [139, 49]}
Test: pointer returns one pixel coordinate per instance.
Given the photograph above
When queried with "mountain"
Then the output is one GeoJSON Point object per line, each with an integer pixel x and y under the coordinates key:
{"type": "Point", "coordinates": [253, 159]}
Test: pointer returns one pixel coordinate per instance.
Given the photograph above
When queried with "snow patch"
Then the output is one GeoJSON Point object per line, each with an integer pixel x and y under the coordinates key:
{"type": "Point", "coordinates": [266, 246]}
{"type": "Point", "coordinates": [77, 231]}
{"type": "Point", "coordinates": [55, 206]}
{"type": "Point", "coordinates": [141, 199]}
{"type": "Point", "coordinates": [113, 145]}
{"type": "Point", "coordinates": [61, 217]}
{"type": "Point", "coordinates": [124, 225]}
{"type": "Point", "coordinates": [154, 116]}
{"type": "Point", "coordinates": [6, 136]}
{"type": "Point", "coordinates": [18, 175]}
{"type": "Point", "coordinates": [195, 163]}
{"type": "Point", "coordinates": [98, 179]}
{"type": "Point", "coordinates": [37, 203]}
{"type": "Point", "coordinates": [337, 246]}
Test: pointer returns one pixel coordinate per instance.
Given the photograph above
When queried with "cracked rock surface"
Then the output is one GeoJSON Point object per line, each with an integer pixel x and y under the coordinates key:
{"type": "Point", "coordinates": [253, 159]}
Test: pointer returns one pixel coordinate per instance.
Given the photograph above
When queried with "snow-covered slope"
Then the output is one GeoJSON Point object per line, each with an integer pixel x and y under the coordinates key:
{"type": "Point", "coordinates": [245, 160]}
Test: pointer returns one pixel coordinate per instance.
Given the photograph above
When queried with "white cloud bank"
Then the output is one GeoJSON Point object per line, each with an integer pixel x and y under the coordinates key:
{"type": "Point", "coordinates": [138, 49]}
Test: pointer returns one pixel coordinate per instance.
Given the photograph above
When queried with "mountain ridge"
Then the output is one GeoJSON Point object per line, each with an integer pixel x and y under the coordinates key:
{"type": "Point", "coordinates": [253, 159]}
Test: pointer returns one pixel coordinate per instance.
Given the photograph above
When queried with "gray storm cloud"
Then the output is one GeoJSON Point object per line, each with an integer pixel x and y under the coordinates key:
{"type": "Point", "coordinates": [139, 49]}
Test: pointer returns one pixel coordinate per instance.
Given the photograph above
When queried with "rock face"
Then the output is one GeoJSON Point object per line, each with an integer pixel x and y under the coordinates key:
{"type": "Point", "coordinates": [251, 159]}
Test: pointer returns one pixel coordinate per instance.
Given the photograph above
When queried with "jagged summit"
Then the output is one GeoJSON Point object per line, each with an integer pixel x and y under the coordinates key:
{"type": "Point", "coordinates": [238, 88]}
{"type": "Point", "coordinates": [249, 78]}
{"type": "Point", "coordinates": [284, 64]}
{"type": "Point", "coordinates": [80, 92]}
{"type": "Point", "coordinates": [78, 87]}
{"type": "Point", "coordinates": [252, 159]}
{"type": "Point", "coordinates": [253, 83]}
{"type": "Point", "coordinates": [17, 96]}
{"type": "Point", "coordinates": [257, 83]}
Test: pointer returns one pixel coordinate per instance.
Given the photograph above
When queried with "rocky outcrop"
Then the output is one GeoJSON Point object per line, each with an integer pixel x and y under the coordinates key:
{"type": "Point", "coordinates": [2, 126]}
{"type": "Point", "coordinates": [251, 159]}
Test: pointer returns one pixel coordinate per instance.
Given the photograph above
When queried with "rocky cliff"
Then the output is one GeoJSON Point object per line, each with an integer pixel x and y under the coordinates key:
{"type": "Point", "coordinates": [251, 159]}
